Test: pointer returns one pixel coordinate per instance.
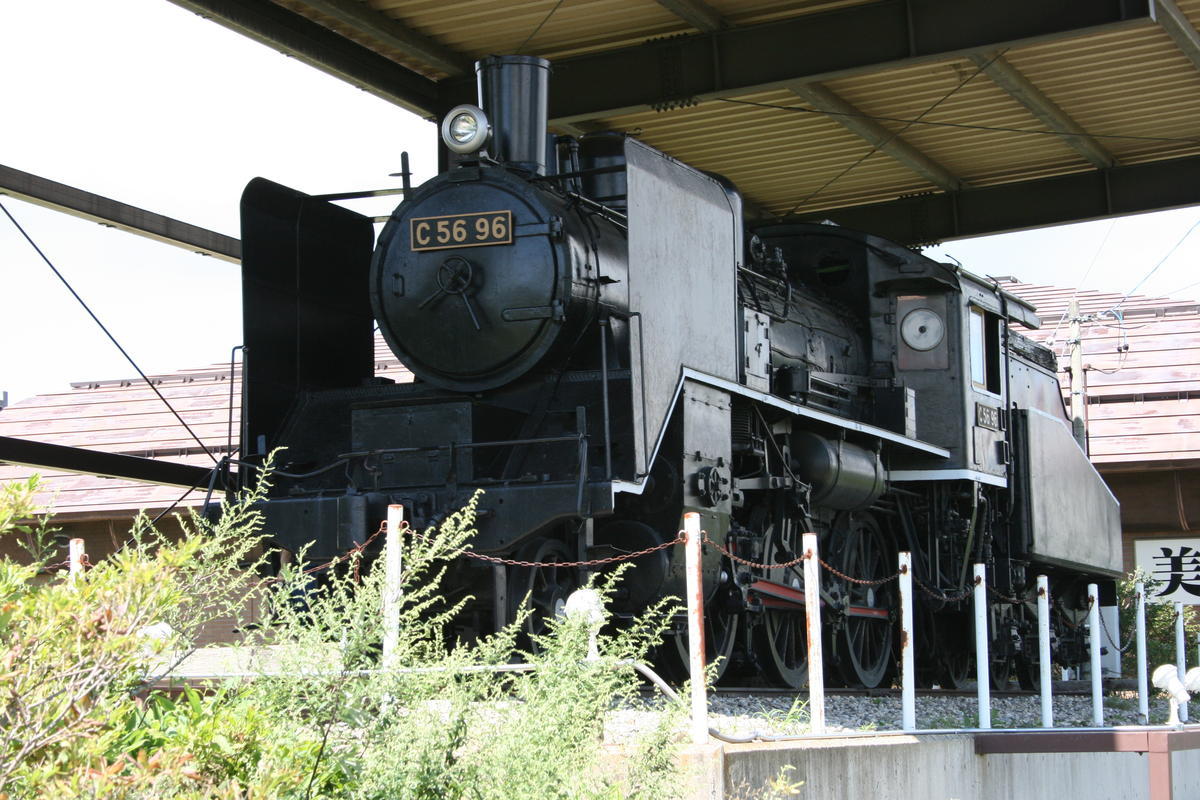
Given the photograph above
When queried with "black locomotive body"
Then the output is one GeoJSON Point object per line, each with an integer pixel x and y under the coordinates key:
{"type": "Point", "coordinates": [600, 344]}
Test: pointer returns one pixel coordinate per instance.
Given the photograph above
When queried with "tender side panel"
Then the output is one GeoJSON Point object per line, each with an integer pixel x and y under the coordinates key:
{"type": "Point", "coordinates": [1072, 517]}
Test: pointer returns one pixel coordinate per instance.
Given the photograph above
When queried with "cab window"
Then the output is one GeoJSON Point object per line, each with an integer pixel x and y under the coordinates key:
{"type": "Point", "coordinates": [985, 349]}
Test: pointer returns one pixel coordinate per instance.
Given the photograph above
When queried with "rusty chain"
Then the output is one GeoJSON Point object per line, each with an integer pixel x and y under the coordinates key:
{"type": "Point", "coordinates": [756, 565]}
{"type": "Point", "coordinates": [1016, 601]}
{"type": "Point", "coordinates": [859, 581]}
{"type": "Point", "coordinates": [595, 562]}
{"type": "Point", "coordinates": [1107, 635]}
{"type": "Point", "coordinates": [938, 594]}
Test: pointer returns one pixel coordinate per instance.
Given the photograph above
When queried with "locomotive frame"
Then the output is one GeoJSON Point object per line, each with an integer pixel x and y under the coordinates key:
{"type": "Point", "coordinates": [628, 351]}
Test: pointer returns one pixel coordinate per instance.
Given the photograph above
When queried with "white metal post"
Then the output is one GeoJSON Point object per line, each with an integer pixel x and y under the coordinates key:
{"type": "Point", "coordinates": [75, 556]}
{"type": "Point", "coordinates": [908, 694]}
{"type": "Point", "coordinates": [1043, 604]}
{"type": "Point", "coordinates": [1143, 678]}
{"type": "Point", "coordinates": [1180, 656]}
{"type": "Point", "coordinates": [391, 584]}
{"type": "Point", "coordinates": [812, 620]}
{"type": "Point", "coordinates": [695, 609]}
{"type": "Point", "coordinates": [982, 659]}
{"type": "Point", "coordinates": [1094, 645]}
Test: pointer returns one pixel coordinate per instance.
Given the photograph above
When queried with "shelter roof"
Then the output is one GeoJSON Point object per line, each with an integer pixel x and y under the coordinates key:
{"type": "Point", "coordinates": [918, 120]}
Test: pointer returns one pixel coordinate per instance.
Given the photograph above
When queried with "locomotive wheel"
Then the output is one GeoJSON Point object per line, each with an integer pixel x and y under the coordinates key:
{"type": "Point", "coordinates": [542, 589]}
{"type": "Point", "coordinates": [721, 626]}
{"type": "Point", "coordinates": [782, 633]}
{"type": "Point", "coordinates": [1003, 662]}
{"type": "Point", "coordinates": [956, 670]}
{"type": "Point", "coordinates": [864, 643]}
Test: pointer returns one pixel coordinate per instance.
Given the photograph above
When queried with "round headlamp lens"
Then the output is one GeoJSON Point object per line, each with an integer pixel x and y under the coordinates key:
{"type": "Point", "coordinates": [464, 127]}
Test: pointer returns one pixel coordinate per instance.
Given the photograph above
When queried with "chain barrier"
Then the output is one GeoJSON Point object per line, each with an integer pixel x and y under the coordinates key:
{"type": "Point", "coordinates": [939, 595]}
{"type": "Point", "coordinates": [756, 565]}
{"type": "Point", "coordinates": [859, 581]}
{"type": "Point", "coordinates": [595, 562]}
{"type": "Point", "coordinates": [1016, 601]}
{"type": "Point", "coordinates": [1128, 642]}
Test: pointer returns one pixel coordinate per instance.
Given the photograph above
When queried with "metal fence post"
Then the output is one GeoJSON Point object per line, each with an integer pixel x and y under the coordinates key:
{"type": "Point", "coordinates": [695, 609]}
{"type": "Point", "coordinates": [1094, 647]}
{"type": "Point", "coordinates": [1043, 605]}
{"type": "Point", "coordinates": [982, 659]}
{"type": "Point", "coordinates": [908, 695]}
{"type": "Point", "coordinates": [1142, 676]}
{"type": "Point", "coordinates": [391, 586]}
{"type": "Point", "coordinates": [1180, 656]}
{"type": "Point", "coordinates": [812, 619]}
{"type": "Point", "coordinates": [75, 556]}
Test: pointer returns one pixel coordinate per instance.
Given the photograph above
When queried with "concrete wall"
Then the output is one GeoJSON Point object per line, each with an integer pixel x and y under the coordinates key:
{"type": "Point", "coordinates": [944, 767]}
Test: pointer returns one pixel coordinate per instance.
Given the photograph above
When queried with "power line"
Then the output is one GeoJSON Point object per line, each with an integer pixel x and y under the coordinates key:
{"type": "Point", "coordinates": [1082, 281]}
{"type": "Point", "coordinates": [111, 338]}
{"type": "Point", "coordinates": [961, 125]}
{"type": "Point", "coordinates": [890, 138]}
{"type": "Point", "coordinates": [1161, 261]}
{"type": "Point", "coordinates": [545, 19]}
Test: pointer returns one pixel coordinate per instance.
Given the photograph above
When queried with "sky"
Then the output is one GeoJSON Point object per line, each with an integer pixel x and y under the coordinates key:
{"type": "Point", "coordinates": [146, 103]}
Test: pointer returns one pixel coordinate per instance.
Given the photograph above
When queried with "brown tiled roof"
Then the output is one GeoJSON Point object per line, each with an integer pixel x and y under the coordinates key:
{"type": "Point", "coordinates": [1144, 401]}
{"type": "Point", "coordinates": [125, 416]}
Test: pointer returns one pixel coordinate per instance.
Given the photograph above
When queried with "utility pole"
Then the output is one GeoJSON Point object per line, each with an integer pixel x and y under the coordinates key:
{"type": "Point", "coordinates": [1078, 380]}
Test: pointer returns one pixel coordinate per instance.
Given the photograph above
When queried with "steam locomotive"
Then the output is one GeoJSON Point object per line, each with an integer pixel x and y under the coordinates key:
{"type": "Point", "coordinates": [600, 343]}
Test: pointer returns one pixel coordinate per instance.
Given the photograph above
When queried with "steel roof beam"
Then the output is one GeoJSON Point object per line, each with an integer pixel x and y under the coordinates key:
{"type": "Point", "coordinates": [696, 13]}
{"type": "Point", "coordinates": [812, 47]}
{"type": "Point", "coordinates": [1011, 80]}
{"type": "Point", "coordinates": [319, 47]}
{"type": "Point", "coordinates": [1177, 26]}
{"type": "Point", "coordinates": [848, 116]}
{"type": "Point", "coordinates": [394, 34]}
{"type": "Point", "coordinates": [1081, 196]}
{"type": "Point", "coordinates": [78, 203]}
{"type": "Point", "coordinates": [27, 453]}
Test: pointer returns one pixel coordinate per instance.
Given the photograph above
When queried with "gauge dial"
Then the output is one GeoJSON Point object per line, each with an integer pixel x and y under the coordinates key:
{"type": "Point", "coordinates": [922, 329]}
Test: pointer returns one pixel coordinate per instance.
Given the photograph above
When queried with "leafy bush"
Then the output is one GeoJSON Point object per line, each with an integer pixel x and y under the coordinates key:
{"type": "Point", "coordinates": [321, 719]}
{"type": "Point", "coordinates": [1160, 625]}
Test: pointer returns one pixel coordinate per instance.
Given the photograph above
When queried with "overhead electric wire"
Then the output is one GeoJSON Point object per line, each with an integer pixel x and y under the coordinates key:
{"type": "Point", "coordinates": [1161, 261]}
{"type": "Point", "coordinates": [545, 19]}
{"type": "Point", "coordinates": [961, 125]}
{"type": "Point", "coordinates": [107, 333]}
{"type": "Point", "coordinates": [1080, 282]}
{"type": "Point", "coordinates": [875, 148]}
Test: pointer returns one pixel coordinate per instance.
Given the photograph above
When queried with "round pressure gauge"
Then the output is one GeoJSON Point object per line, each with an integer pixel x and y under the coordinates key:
{"type": "Point", "coordinates": [922, 329]}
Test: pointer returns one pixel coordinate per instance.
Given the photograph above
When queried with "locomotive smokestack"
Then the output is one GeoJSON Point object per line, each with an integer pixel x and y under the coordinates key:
{"type": "Point", "coordinates": [514, 93]}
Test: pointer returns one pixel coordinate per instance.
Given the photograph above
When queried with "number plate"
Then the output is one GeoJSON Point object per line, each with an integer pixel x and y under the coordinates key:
{"type": "Point", "coordinates": [987, 416]}
{"type": "Point", "coordinates": [461, 230]}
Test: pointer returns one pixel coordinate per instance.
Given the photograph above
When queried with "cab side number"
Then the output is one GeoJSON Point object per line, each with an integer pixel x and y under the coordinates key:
{"type": "Point", "coordinates": [476, 229]}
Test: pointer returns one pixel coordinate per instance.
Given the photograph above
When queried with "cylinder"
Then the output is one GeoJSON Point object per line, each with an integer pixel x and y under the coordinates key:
{"type": "Point", "coordinates": [982, 659]}
{"type": "Point", "coordinates": [843, 476]}
{"type": "Point", "coordinates": [514, 92]}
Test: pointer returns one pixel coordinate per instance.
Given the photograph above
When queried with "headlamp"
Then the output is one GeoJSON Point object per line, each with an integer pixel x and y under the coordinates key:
{"type": "Point", "coordinates": [465, 129]}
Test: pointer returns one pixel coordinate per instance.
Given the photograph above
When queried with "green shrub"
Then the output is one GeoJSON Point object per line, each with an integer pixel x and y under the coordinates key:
{"type": "Point", "coordinates": [320, 719]}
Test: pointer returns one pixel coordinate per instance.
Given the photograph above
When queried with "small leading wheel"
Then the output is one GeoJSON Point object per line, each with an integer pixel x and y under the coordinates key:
{"type": "Point", "coordinates": [782, 635]}
{"type": "Point", "coordinates": [543, 589]}
{"type": "Point", "coordinates": [866, 635]}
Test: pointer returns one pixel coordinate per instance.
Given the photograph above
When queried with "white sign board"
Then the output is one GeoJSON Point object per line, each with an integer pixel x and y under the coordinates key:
{"type": "Point", "coordinates": [1175, 563]}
